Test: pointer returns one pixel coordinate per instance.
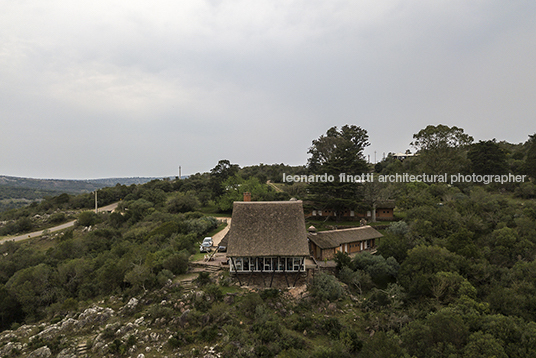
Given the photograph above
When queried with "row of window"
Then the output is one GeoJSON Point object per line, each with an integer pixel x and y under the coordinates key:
{"type": "Point", "coordinates": [267, 264]}
{"type": "Point", "coordinates": [362, 245]}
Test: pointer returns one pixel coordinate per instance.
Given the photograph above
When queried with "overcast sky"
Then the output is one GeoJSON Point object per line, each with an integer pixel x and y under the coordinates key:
{"type": "Point", "coordinates": [136, 88]}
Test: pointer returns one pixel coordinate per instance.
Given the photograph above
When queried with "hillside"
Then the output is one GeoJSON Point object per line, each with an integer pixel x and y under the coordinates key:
{"type": "Point", "coordinates": [455, 279]}
{"type": "Point", "coordinates": [453, 275]}
{"type": "Point", "coordinates": [16, 192]}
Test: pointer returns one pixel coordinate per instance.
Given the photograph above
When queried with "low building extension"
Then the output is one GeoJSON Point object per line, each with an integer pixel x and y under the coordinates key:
{"type": "Point", "coordinates": [324, 245]}
{"type": "Point", "coordinates": [384, 212]}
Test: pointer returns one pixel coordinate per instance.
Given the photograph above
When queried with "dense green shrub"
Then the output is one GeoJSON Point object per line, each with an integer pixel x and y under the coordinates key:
{"type": "Point", "coordinates": [326, 287]}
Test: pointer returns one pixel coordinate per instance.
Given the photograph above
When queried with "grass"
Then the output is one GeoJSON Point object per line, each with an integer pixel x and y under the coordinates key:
{"type": "Point", "coordinates": [211, 209]}
{"type": "Point", "coordinates": [230, 289]}
{"type": "Point", "coordinates": [198, 256]}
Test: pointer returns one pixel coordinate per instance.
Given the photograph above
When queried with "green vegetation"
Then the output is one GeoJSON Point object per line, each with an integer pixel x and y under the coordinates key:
{"type": "Point", "coordinates": [338, 151]}
{"type": "Point", "coordinates": [456, 277]}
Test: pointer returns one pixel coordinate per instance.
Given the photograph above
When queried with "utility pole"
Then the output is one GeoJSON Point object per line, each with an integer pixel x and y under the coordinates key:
{"type": "Point", "coordinates": [179, 171]}
{"type": "Point", "coordinates": [96, 210]}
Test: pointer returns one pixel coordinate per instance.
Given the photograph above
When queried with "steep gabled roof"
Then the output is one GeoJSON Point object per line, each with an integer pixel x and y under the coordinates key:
{"type": "Point", "coordinates": [334, 238]}
{"type": "Point", "coordinates": [267, 228]}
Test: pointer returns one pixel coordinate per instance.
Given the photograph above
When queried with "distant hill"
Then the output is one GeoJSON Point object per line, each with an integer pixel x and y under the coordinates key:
{"type": "Point", "coordinates": [16, 192]}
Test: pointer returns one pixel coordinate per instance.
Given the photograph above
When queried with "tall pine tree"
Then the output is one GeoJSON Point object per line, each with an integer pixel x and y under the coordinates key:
{"type": "Point", "coordinates": [336, 152]}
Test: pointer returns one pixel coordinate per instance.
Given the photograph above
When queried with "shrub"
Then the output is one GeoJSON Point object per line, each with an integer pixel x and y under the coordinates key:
{"type": "Point", "coordinates": [249, 303]}
{"type": "Point", "coordinates": [270, 293]}
{"type": "Point", "coordinates": [177, 263]}
{"type": "Point", "coordinates": [203, 279]}
{"type": "Point", "coordinates": [326, 287]}
{"type": "Point", "coordinates": [87, 218]}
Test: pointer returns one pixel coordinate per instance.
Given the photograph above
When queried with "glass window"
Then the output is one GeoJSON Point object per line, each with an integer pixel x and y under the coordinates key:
{"type": "Point", "coordinates": [238, 264]}
{"type": "Point", "coordinates": [268, 264]}
{"type": "Point", "coordinates": [297, 264]}
{"type": "Point", "coordinates": [246, 263]}
{"type": "Point", "coordinates": [289, 263]}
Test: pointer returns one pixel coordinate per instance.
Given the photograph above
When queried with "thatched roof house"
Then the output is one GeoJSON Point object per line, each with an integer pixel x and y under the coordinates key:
{"type": "Point", "coordinates": [267, 228]}
{"type": "Point", "coordinates": [267, 237]}
{"type": "Point", "coordinates": [325, 244]}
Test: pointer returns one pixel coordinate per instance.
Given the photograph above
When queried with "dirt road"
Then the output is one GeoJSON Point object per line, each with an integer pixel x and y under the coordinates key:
{"type": "Point", "coordinates": [69, 224]}
{"type": "Point", "coordinates": [219, 235]}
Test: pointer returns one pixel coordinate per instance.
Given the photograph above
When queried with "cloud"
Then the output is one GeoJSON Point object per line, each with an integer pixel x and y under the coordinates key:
{"type": "Point", "coordinates": [146, 86]}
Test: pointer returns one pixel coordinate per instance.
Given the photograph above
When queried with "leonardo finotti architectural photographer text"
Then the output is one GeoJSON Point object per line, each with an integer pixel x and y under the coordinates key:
{"type": "Point", "coordinates": [405, 178]}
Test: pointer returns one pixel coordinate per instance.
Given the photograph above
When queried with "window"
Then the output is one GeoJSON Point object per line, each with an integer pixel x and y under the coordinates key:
{"type": "Point", "coordinates": [268, 264]}
{"type": "Point", "coordinates": [281, 264]}
{"type": "Point", "coordinates": [297, 264]}
{"type": "Point", "coordinates": [289, 263]}
{"type": "Point", "coordinates": [238, 264]}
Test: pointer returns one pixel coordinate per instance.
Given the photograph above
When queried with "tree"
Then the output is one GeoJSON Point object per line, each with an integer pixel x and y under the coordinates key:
{"type": "Point", "coordinates": [374, 193]}
{"type": "Point", "coordinates": [182, 203]}
{"type": "Point", "coordinates": [236, 186]}
{"type": "Point", "coordinates": [441, 148]}
{"type": "Point", "coordinates": [487, 158]}
{"type": "Point", "coordinates": [484, 345]}
{"type": "Point", "coordinates": [87, 218]}
{"type": "Point", "coordinates": [336, 152]}
{"type": "Point", "coordinates": [33, 288]}
{"type": "Point", "coordinates": [417, 272]}
{"type": "Point", "coordinates": [219, 174]}
{"type": "Point", "coordinates": [530, 161]}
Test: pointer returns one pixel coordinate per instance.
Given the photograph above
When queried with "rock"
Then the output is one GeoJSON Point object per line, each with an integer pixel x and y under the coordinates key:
{"type": "Point", "coordinates": [9, 336]}
{"type": "Point", "coordinates": [49, 333]}
{"type": "Point", "coordinates": [132, 303]}
{"type": "Point", "coordinates": [66, 353]}
{"type": "Point", "coordinates": [126, 328]}
{"type": "Point", "coordinates": [94, 315]}
{"type": "Point", "coordinates": [154, 336]}
{"type": "Point", "coordinates": [98, 347]}
{"type": "Point", "coordinates": [68, 325]}
{"type": "Point", "coordinates": [141, 355]}
{"type": "Point", "coordinates": [43, 352]}
{"type": "Point", "coordinates": [183, 319]}
{"type": "Point", "coordinates": [6, 350]}
{"type": "Point", "coordinates": [25, 331]}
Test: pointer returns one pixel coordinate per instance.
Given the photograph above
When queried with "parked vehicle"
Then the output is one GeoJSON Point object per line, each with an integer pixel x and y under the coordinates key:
{"type": "Point", "coordinates": [206, 245]}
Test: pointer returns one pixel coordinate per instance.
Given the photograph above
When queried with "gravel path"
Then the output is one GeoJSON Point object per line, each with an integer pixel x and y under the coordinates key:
{"type": "Point", "coordinates": [69, 224]}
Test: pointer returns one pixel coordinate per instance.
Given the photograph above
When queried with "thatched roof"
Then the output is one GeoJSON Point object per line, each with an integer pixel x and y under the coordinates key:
{"type": "Point", "coordinates": [267, 228]}
{"type": "Point", "coordinates": [334, 238]}
{"type": "Point", "coordinates": [225, 240]}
